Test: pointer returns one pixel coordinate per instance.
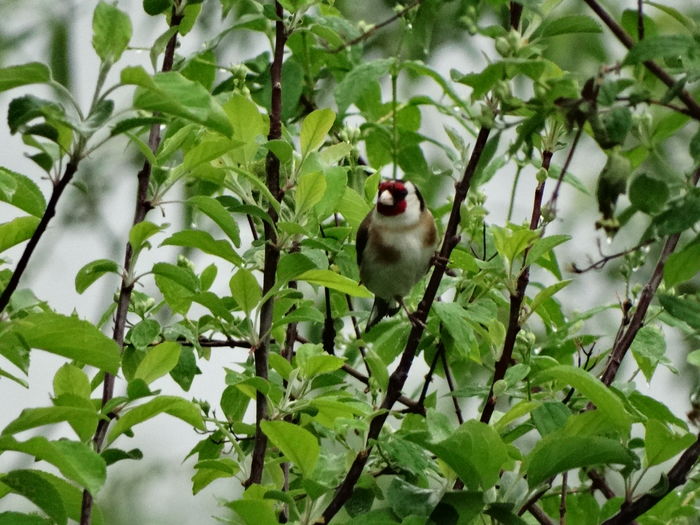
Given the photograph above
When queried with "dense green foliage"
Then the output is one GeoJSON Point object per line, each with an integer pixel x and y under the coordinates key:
{"type": "Point", "coordinates": [272, 164]}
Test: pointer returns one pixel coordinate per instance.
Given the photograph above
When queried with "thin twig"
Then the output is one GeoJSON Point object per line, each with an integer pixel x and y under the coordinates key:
{"type": "Point", "coordinates": [375, 28]}
{"type": "Point", "coordinates": [539, 515]}
{"type": "Point", "coordinates": [562, 502]}
{"type": "Point", "coordinates": [640, 20]}
{"type": "Point", "coordinates": [555, 194]}
{"type": "Point", "coordinates": [516, 301]}
{"type": "Point", "coordinates": [143, 206]}
{"type": "Point", "coordinates": [412, 405]}
{"type": "Point", "coordinates": [272, 252]}
{"type": "Point", "coordinates": [516, 11]}
{"type": "Point", "coordinates": [398, 377]}
{"type": "Point", "coordinates": [676, 477]}
{"type": "Point", "coordinates": [652, 66]}
{"type": "Point", "coordinates": [599, 264]}
{"type": "Point", "coordinates": [429, 376]}
{"type": "Point", "coordinates": [49, 212]}
{"type": "Point", "coordinates": [450, 384]}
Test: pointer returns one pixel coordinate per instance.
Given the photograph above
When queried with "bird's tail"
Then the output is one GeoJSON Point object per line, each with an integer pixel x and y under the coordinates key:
{"type": "Point", "coordinates": [380, 308]}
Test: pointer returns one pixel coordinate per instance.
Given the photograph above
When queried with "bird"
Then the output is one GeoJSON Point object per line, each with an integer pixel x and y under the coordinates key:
{"type": "Point", "coordinates": [395, 245]}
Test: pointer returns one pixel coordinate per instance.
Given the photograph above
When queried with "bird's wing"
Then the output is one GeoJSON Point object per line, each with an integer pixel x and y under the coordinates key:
{"type": "Point", "coordinates": [362, 236]}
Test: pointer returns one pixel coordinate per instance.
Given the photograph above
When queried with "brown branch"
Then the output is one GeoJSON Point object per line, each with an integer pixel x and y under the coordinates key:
{"type": "Point", "coordinates": [640, 20]}
{"type": "Point", "coordinates": [599, 264]}
{"type": "Point", "coordinates": [539, 515]}
{"type": "Point", "coordinates": [272, 253]}
{"type": "Point", "coordinates": [398, 377]}
{"type": "Point", "coordinates": [375, 28]}
{"type": "Point", "coordinates": [623, 343]}
{"type": "Point", "coordinates": [49, 212]}
{"type": "Point", "coordinates": [652, 66]}
{"type": "Point", "coordinates": [516, 301]}
{"type": "Point", "coordinates": [429, 376]}
{"type": "Point", "coordinates": [516, 11]}
{"type": "Point", "coordinates": [676, 477]}
{"type": "Point", "coordinates": [555, 194]}
{"type": "Point", "coordinates": [412, 405]}
{"type": "Point", "coordinates": [451, 385]}
{"type": "Point", "coordinates": [143, 206]}
{"type": "Point", "coordinates": [562, 502]}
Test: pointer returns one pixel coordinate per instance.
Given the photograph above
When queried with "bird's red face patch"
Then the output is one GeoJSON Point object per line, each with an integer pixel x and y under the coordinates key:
{"type": "Point", "coordinates": [398, 192]}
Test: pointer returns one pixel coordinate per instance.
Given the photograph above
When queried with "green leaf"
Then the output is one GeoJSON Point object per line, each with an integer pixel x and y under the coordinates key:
{"type": "Point", "coordinates": [662, 46]}
{"type": "Point", "coordinates": [310, 190]}
{"type": "Point", "coordinates": [254, 511]}
{"type": "Point", "coordinates": [210, 149]}
{"type": "Point", "coordinates": [69, 337]}
{"type": "Point", "coordinates": [245, 290]}
{"type": "Point", "coordinates": [140, 232]}
{"type": "Point", "coordinates": [76, 461]}
{"type": "Point", "coordinates": [36, 417]}
{"type": "Point", "coordinates": [182, 276]}
{"type": "Point", "coordinates": [17, 518]}
{"type": "Point", "coordinates": [682, 308]}
{"type": "Point", "coordinates": [313, 361]}
{"type": "Point", "coordinates": [555, 454]}
{"type": "Point", "coordinates": [92, 271]}
{"type": "Point", "coordinates": [648, 349]}
{"type": "Point", "coordinates": [205, 242]}
{"type": "Point", "coordinates": [213, 209]}
{"type": "Point", "coordinates": [335, 281]}
{"type": "Point", "coordinates": [336, 183]}
{"type": "Point", "coordinates": [209, 470]}
{"type": "Point", "coordinates": [314, 129]}
{"type": "Point", "coordinates": [475, 452]}
{"type": "Point", "coordinates": [291, 265]}
{"type": "Point", "coordinates": [607, 402]}
{"type": "Point", "coordinates": [158, 361]}
{"type": "Point", "coordinates": [174, 406]}
{"type": "Point", "coordinates": [546, 293]}
{"type": "Point", "coordinates": [111, 32]}
{"type": "Point", "coordinates": [23, 74]}
{"type": "Point", "coordinates": [563, 25]}
{"type": "Point", "coordinates": [156, 7]}
{"type": "Point", "coordinates": [680, 214]}
{"type": "Point", "coordinates": [20, 191]}
{"type": "Point", "coordinates": [406, 499]}
{"type": "Point", "coordinates": [661, 444]}
{"type": "Point", "coordinates": [682, 266]}
{"type": "Point", "coordinates": [296, 443]}
{"type": "Point", "coordinates": [16, 231]}
{"type": "Point", "coordinates": [648, 194]}
{"type": "Point", "coordinates": [173, 94]}
{"type": "Point", "coordinates": [70, 379]}
{"type": "Point", "coordinates": [32, 486]}
{"type": "Point", "coordinates": [359, 81]}
{"type": "Point", "coordinates": [550, 416]}
{"type": "Point", "coordinates": [543, 245]}
{"type": "Point", "coordinates": [455, 319]}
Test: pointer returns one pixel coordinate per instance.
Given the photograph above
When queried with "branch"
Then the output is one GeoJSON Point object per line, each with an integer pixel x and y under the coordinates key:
{"type": "Point", "coordinates": [516, 299]}
{"type": "Point", "coordinates": [516, 11]}
{"type": "Point", "coordinates": [398, 377]}
{"type": "Point", "coordinates": [676, 477]}
{"type": "Point", "coordinates": [599, 264]}
{"type": "Point", "coordinates": [375, 28]}
{"type": "Point", "coordinates": [412, 405]}
{"type": "Point", "coordinates": [652, 66]}
{"type": "Point", "coordinates": [143, 206]}
{"type": "Point", "coordinates": [552, 204]}
{"type": "Point", "coordinates": [49, 212]}
{"type": "Point", "coordinates": [272, 252]}
{"type": "Point", "coordinates": [623, 344]}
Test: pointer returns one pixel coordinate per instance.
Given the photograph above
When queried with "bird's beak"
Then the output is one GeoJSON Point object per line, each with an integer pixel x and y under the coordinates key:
{"type": "Point", "coordinates": [386, 198]}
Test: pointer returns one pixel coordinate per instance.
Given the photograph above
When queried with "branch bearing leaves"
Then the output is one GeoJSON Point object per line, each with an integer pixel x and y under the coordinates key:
{"type": "Point", "coordinates": [296, 443]}
{"type": "Point", "coordinates": [92, 271]}
{"type": "Point", "coordinates": [75, 460]}
{"type": "Point", "coordinates": [213, 209]}
{"type": "Point", "coordinates": [24, 74]}
{"type": "Point", "coordinates": [359, 81]}
{"type": "Point", "coordinates": [661, 46]}
{"type": "Point", "coordinates": [205, 242]}
{"type": "Point", "coordinates": [314, 129]}
{"type": "Point", "coordinates": [593, 389]}
{"type": "Point", "coordinates": [682, 266]}
{"type": "Point", "coordinates": [158, 361]}
{"type": "Point", "coordinates": [556, 454]}
{"type": "Point", "coordinates": [245, 290]}
{"type": "Point", "coordinates": [16, 231]}
{"type": "Point", "coordinates": [174, 406]}
{"type": "Point", "coordinates": [69, 337]}
{"type": "Point", "coordinates": [111, 30]}
{"type": "Point", "coordinates": [31, 485]}
{"type": "Point", "coordinates": [661, 444]}
{"type": "Point", "coordinates": [173, 94]}
{"type": "Point", "coordinates": [335, 281]}
{"type": "Point", "coordinates": [648, 194]}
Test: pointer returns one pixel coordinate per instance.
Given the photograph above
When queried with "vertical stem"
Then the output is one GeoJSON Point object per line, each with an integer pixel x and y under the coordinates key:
{"type": "Point", "coordinates": [143, 206]}
{"type": "Point", "coordinates": [516, 11]}
{"type": "Point", "coordinates": [272, 252]}
{"type": "Point", "coordinates": [640, 20]}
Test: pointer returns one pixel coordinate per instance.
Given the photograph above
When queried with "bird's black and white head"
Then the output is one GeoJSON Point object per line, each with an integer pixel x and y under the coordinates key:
{"type": "Point", "coordinates": [400, 199]}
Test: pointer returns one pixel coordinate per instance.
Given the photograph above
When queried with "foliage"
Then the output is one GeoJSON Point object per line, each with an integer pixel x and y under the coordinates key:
{"type": "Point", "coordinates": [273, 163]}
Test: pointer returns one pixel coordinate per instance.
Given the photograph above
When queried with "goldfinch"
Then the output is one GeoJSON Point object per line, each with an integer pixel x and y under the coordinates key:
{"type": "Point", "coordinates": [395, 244]}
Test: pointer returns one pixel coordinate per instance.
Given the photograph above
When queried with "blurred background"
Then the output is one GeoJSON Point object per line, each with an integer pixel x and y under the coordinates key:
{"type": "Point", "coordinates": [95, 215]}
